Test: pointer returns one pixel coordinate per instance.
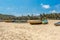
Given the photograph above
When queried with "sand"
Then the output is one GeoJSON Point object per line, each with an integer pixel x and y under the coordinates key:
{"type": "Point", "coordinates": [25, 31]}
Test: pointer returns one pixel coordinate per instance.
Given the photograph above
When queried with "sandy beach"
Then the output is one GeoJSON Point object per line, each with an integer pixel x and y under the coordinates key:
{"type": "Point", "coordinates": [25, 31]}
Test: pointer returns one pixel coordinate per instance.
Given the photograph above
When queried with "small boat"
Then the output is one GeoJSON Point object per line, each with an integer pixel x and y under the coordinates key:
{"type": "Point", "coordinates": [35, 21]}
{"type": "Point", "coordinates": [44, 21]}
{"type": "Point", "coordinates": [9, 21]}
{"type": "Point", "coordinates": [57, 24]}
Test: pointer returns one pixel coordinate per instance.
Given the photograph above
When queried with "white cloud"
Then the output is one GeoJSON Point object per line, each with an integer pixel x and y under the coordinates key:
{"type": "Point", "coordinates": [53, 11]}
{"type": "Point", "coordinates": [45, 6]}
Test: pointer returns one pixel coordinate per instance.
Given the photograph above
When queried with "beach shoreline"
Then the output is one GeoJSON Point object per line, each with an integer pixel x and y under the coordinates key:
{"type": "Point", "coordinates": [26, 31]}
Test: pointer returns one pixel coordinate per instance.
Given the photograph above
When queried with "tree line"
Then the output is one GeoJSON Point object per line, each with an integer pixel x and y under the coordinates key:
{"type": "Point", "coordinates": [30, 17]}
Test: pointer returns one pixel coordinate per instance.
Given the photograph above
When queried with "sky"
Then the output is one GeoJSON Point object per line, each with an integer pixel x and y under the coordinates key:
{"type": "Point", "coordinates": [28, 7]}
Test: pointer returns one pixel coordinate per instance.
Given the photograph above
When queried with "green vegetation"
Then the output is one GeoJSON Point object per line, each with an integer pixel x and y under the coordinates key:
{"type": "Point", "coordinates": [51, 16]}
{"type": "Point", "coordinates": [30, 17]}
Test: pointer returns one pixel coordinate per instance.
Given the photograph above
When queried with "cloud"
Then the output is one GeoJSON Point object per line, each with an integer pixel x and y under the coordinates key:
{"type": "Point", "coordinates": [56, 9]}
{"type": "Point", "coordinates": [45, 6]}
{"type": "Point", "coordinates": [53, 11]}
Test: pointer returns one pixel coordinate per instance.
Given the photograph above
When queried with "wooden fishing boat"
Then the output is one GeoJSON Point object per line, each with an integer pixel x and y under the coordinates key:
{"type": "Point", "coordinates": [35, 21]}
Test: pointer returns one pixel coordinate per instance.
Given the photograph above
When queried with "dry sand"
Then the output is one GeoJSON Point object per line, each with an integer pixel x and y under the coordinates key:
{"type": "Point", "coordinates": [25, 31]}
